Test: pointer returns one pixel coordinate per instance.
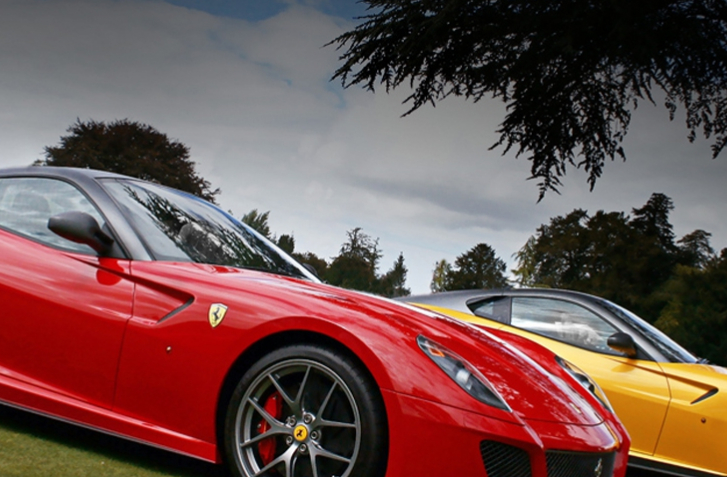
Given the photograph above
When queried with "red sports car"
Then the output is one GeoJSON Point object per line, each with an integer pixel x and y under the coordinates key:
{"type": "Point", "coordinates": [150, 314]}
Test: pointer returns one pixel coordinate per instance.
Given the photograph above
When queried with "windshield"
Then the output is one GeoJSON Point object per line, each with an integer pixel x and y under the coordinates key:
{"type": "Point", "coordinates": [176, 226]}
{"type": "Point", "coordinates": [670, 349]}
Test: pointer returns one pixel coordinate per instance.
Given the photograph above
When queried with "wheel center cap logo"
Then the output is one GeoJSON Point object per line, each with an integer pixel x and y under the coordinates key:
{"type": "Point", "coordinates": [300, 433]}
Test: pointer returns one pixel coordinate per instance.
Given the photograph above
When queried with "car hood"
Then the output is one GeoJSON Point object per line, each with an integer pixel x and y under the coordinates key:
{"type": "Point", "coordinates": [522, 377]}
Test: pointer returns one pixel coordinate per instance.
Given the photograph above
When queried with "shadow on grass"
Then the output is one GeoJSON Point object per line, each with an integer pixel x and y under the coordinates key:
{"type": "Point", "coordinates": [131, 453]}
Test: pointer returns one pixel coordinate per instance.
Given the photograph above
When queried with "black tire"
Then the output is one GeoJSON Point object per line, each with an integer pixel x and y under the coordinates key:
{"type": "Point", "coordinates": [306, 411]}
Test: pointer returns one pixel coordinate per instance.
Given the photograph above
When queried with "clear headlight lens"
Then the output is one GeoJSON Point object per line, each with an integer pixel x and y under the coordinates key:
{"type": "Point", "coordinates": [462, 373]}
{"type": "Point", "coordinates": [586, 381]}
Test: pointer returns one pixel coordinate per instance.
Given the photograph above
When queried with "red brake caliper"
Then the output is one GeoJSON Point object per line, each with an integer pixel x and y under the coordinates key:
{"type": "Point", "coordinates": [274, 407]}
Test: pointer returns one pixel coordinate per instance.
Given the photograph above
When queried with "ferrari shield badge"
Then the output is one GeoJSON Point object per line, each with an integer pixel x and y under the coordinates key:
{"type": "Point", "coordinates": [216, 314]}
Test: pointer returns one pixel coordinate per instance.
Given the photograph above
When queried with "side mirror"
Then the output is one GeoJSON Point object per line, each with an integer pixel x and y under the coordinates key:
{"type": "Point", "coordinates": [80, 227]}
{"type": "Point", "coordinates": [623, 343]}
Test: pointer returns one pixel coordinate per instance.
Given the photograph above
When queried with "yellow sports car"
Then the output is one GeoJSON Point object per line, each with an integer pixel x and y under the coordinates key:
{"type": "Point", "coordinates": [673, 404]}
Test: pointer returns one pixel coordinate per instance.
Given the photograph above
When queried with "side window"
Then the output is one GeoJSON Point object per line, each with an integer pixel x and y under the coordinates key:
{"type": "Point", "coordinates": [497, 308]}
{"type": "Point", "coordinates": [563, 321]}
{"type": "Point", "coordinates": [26, 204]}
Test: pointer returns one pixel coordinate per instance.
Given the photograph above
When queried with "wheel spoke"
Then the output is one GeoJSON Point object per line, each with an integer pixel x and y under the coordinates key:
{"type": "Point", "coordinates": [317, 451]}
{"type": "Point", "coordinates": [325, 401]}
{"type": "Point", "coordinates": [285, 457]}
{"type": "Point", "coordinates": [271, 433]}
{"type": "Point", "coordinates": [274, 423]}
{"type": "Point", "coordinates": [313, 463]}
{"type": "Point", "coordinates": [345, 425]}
{"type": "Point", "coordinates": [299, 397]}
{"type": "Point", "coordinates": [280, 390]}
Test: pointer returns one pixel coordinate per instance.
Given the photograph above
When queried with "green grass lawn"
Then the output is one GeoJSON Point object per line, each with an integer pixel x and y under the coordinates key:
{"type": "Point", "coordinates": [32, 446]}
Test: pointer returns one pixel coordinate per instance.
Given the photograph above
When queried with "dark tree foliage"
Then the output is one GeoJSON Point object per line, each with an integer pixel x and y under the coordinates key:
{"type": "Point", "coordinates": [696, 249]}
{"type": "Point", "coordinates": [653, 220]}
{"type": "Point", "coordinates": [258, 221]}
{"type": "Point", "coordinates": [478, 267]}
{"type": "Point", "coordinates": [626, 259]}
{"type": "Point", "coordinates": [286, 243]}
{"type": "Point", "coordinates": [130, 148]}
{"type": "Point", "coordinates": [393, 283]}
{"type": "Point", "coordinates": [318, 264]}
{"type": "Point", "coordinates": [696, 314]}
{"type": "Point", "coordinates": [554, 256]}
{"type": "Point", "coordinates": [569, 71]}
{"type": "Point", "coordinates": [355, 265]}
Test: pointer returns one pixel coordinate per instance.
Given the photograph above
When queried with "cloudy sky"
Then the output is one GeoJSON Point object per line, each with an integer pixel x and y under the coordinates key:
{"type": "Point", "coordinates": [245, 84]}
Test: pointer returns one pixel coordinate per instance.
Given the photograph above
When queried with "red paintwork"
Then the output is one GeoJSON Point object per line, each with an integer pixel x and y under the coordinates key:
{"type": "Point", "coordinates": [92, 341]}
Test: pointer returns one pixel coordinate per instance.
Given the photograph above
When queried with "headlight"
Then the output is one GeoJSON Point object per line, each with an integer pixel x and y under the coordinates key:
{"type": "Point", "coordinates": [586, 381]}
{"type": "Point", "coordinates": [463, 373]}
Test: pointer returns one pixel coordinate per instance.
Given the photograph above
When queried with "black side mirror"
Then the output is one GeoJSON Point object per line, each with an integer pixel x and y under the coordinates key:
{"type": "Point", "coordinates": [82, 228]}
{"type": "Point", "coordinates": [623, 343]}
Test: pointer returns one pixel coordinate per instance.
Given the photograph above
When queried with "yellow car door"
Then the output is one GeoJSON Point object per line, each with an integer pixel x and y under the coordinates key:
{"type": "Point", "coordinates": [696, 423]}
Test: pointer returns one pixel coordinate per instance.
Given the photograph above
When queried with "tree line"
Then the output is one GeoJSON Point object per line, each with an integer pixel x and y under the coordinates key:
{"type": "Point", "coordinates": [355, 267]}
{"type": "Point", "coordinates": [632, 259]}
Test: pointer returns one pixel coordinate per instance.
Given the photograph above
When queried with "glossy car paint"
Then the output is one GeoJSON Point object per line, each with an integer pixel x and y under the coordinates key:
{"type": "Point", "coordinates": [675, 413]}
{"type": "Point", "coordinates": [125, 346]}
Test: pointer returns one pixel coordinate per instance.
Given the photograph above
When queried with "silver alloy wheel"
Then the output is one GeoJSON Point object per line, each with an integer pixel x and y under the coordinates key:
{"type": "Point", "coordinates": [317, 432]}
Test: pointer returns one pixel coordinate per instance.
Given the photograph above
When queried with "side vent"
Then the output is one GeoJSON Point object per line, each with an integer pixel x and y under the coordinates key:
{"type": "Point", "coordinates": [706, 395]}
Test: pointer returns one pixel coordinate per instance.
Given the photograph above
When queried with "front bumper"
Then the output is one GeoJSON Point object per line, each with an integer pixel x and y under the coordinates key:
{"type": "Point", "coordinates": [432, 439]}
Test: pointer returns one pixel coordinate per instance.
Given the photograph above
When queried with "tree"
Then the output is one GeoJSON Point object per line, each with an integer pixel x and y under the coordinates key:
{"type": "Point", "coordinates": [553, 257]}
{"type": "Point", "coordinates": [258, 221]}
{"type": "Point", "coordinates": [131, 148]}
{"type": "Point", "coordinates": [393, 283]}
{"type": "Point", "coordinates": [318, 264]}
{"type": "Point", "coordinates": [286, 243]}
{"type": "Point", "coordinates": [652, 220]}
{"type": "Point", "coordinates": [696, 250]}
{"type": "Point", "coordinates": [626, 259]}
{"type": "Point", "coordinates": [362, 246]}
{"type": "Point", "coordinates": [441, 277]}
{"type": "Point", "coordinates": [569, 72]}
{"type": "Point", "coordinates": [355, 265]}
{"type": "Point", "coordinates": [479, 267]}
{"type": "Point", "coordinates": [696, 313]}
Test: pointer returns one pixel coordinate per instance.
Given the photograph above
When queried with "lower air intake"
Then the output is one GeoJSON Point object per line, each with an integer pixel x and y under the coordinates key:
{"type": "Point", "coordinates": [502, 460]}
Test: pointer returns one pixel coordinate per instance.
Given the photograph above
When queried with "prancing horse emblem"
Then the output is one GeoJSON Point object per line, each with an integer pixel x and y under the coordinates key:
{"type": "Point", "coordinates": [216, 314]}
{"type": "Point", "coordinates": [599, 468]}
